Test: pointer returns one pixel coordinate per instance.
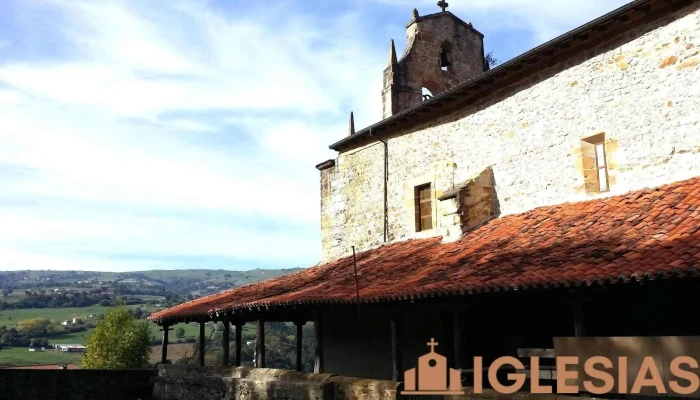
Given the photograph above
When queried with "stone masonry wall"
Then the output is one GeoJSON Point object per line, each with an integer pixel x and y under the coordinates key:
{"type": "Point", "coordinates": [642, 91]}
{"type": "Point", "coordinates": [182, 382]}
{"type": "Point", "coordinates": [85, 384]}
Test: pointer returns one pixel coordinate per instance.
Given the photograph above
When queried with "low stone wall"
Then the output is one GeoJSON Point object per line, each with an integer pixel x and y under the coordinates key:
{"type": "Point", "coordinates": [179, 382]}
{"type": "Point", "coordinates": [492, 394]}
{"type": "Point", "coordinates": [84, 384]}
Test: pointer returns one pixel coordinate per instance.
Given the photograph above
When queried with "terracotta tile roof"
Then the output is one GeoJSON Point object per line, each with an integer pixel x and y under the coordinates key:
{"type": "Point", "coordinates": [640, 235]}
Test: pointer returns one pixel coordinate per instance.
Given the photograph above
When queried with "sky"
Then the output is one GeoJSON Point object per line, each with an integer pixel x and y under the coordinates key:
{"type": "Point", "coordinates": [140, 135]}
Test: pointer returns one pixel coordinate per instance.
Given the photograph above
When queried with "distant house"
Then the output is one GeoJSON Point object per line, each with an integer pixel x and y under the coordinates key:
{"type": "Point", "coordinates": [76, 320]}
{"type": "Point", "coordinates": [65, 323]}
{"type": "Point", "coordinates": [71, 348]}
{"type": "Point", "coordinates": [34, 349]}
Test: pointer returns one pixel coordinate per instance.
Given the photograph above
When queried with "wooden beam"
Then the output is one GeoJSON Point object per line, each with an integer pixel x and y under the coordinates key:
{"type": "Point", "coordinates": [299, 325]}
{"type": "Point", "coordinates": [239, 342]}
{"type": "Point", "coordinates": [396, 354]}
{"type": "Point", "coordinates": [541, 353]}
{"type": "Point", "coordinates": [579, 328]}
{"type": "Point", "coordinates": [548, 53]}
{"type": "Point", "coordinates": [260, 345]}
{"type": "Point", "coordinates": [201, 343]}
{"type": "Point", "coordinates": [164, 349]}
{"type": "Point", "coordinates": [645, 9]}
{"type": "Point", "coordinates": [457, 338]}
{"type": "Point", "coordinates": [225, 341]}
{"type": "Point", "coordinates": [318, 349]}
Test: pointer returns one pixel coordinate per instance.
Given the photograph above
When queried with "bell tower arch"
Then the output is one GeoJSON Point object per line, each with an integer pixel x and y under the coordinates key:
{"type": "Point", "coordinates": [441, 52]}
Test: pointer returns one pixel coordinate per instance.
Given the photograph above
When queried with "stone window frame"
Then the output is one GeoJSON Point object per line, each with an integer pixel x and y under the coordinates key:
{"type": "Point", "coordinates": [595, 141]}
{"type": "Point", "coordinates": [409, 203]}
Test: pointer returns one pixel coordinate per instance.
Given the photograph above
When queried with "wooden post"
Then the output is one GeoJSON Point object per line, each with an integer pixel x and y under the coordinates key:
{"type": "Point", "coordinates": [201, 343]}
{"type": "Point", "coordinates": [396, 356]}
{"type": "Point", "coordinates": [227, 327]}
{"type": "Point", "coordinates": [579, 328]}
{"type": "Point", "coordinates": [164, 349]}
{"type": "Point", "coordinates": [299, 325]}
{"type": "Point", "coordinates": [239, 342]}
{"type": "Point", "coordinates": [318, 349]}
{"type": "Point", "coordinates": [260, 344]}
{"type": "Point", "coordinates": [457, 338]}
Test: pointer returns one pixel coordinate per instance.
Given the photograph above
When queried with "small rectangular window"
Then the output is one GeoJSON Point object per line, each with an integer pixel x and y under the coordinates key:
{"type": "Point", "coordinates": [595, 165]}
{"type": "Point", "coordinates": [423, 205]}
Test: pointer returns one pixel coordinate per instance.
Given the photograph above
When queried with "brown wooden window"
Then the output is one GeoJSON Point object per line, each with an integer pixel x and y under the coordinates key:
{"type": "Point", "coordinates": [601, 166]}
{"type": "Point", "coordinates": [424, 209]}
{"type": "Point", "coordinates": [595, 165]}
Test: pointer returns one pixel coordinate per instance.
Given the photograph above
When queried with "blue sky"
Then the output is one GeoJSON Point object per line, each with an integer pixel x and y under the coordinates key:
{"type": "Point", "coordinates": [147, 134]}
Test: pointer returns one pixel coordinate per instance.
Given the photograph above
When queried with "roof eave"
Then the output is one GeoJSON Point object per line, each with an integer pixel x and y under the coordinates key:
{"type": "Point", "coordinates": [483, 78]}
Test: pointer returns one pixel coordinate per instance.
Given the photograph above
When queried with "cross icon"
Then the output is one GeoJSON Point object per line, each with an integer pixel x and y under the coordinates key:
{"type": "Point", "coordinates": [432, 345]}
{"type": "Point", "coordinates": [443, 4]}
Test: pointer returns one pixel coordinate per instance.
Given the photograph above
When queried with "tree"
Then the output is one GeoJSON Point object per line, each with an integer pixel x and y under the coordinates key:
{"type": "Point", "coordinates": [119, 341]}
{"type": "Point", "coordinates": [33, 327]}
{"type": "Point", "coordinates": [491, 60]}
{"type": "Point", "coordinates": [180, 332]}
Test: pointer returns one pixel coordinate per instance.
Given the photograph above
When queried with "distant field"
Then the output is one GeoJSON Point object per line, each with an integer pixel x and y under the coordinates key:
{"type": "Point", "coordinates": [72, 338]}
{"type": "Point", "coordinates": [22, 356]}
{"type": "Point", "coordinates": [175, 352]}
{"type": "Point", "coordinates": [191, 330]}
{"type": "Point", "coordinates": [9, 318]}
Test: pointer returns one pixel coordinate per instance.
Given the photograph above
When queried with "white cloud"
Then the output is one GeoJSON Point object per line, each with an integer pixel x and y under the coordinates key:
{"type": "Point", "coordinates": [106, 131]}
{"type": "Point", "coordinates": [145, 133]}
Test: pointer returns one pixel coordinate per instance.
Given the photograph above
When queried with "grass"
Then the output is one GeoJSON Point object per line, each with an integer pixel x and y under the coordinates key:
{"type": "Point", "coordinates": [22, 356]}
{"type": "Point", "coordinates": [72, 338]}
{"type": "Point", "coordinates": [9, 318]}
{"type": "Point", "coordinates": [175, 352]}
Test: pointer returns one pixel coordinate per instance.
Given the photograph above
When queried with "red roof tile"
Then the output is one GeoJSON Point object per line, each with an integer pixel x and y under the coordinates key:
{"type": "Point", "coordinates": [640, 235]}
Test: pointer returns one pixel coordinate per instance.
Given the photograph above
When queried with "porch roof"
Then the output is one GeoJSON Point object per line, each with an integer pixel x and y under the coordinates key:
{"type": "Point", "coordinates": [645, 234]}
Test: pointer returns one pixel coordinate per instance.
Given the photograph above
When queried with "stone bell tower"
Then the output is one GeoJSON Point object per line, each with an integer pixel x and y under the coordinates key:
{"type": "Point", "coordinates": [441, 52]}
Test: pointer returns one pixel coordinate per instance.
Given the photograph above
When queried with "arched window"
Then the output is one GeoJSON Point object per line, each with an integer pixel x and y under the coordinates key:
{"type": "Point", "coordinates": [445, 55]}
{"type": "Point", "coordinates": [429, 90]}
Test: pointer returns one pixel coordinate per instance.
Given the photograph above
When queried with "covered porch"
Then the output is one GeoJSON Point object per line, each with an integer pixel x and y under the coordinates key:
{"type": "Point", "coordinates": [620, 266]}
{"type": "Point", "coordinates": [382, 340]}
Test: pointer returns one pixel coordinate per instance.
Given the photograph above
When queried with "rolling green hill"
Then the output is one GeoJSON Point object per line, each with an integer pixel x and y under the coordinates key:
{"type": "Point", "coordinates": [185, 282]}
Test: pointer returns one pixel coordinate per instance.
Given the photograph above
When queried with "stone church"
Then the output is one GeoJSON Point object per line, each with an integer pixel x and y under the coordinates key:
{"type": "Point", "coordinates": [500, 210]}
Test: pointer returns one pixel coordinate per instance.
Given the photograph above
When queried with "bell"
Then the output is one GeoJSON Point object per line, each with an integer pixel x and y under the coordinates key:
{"type": "Point", "coordinates": [444, 62]}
